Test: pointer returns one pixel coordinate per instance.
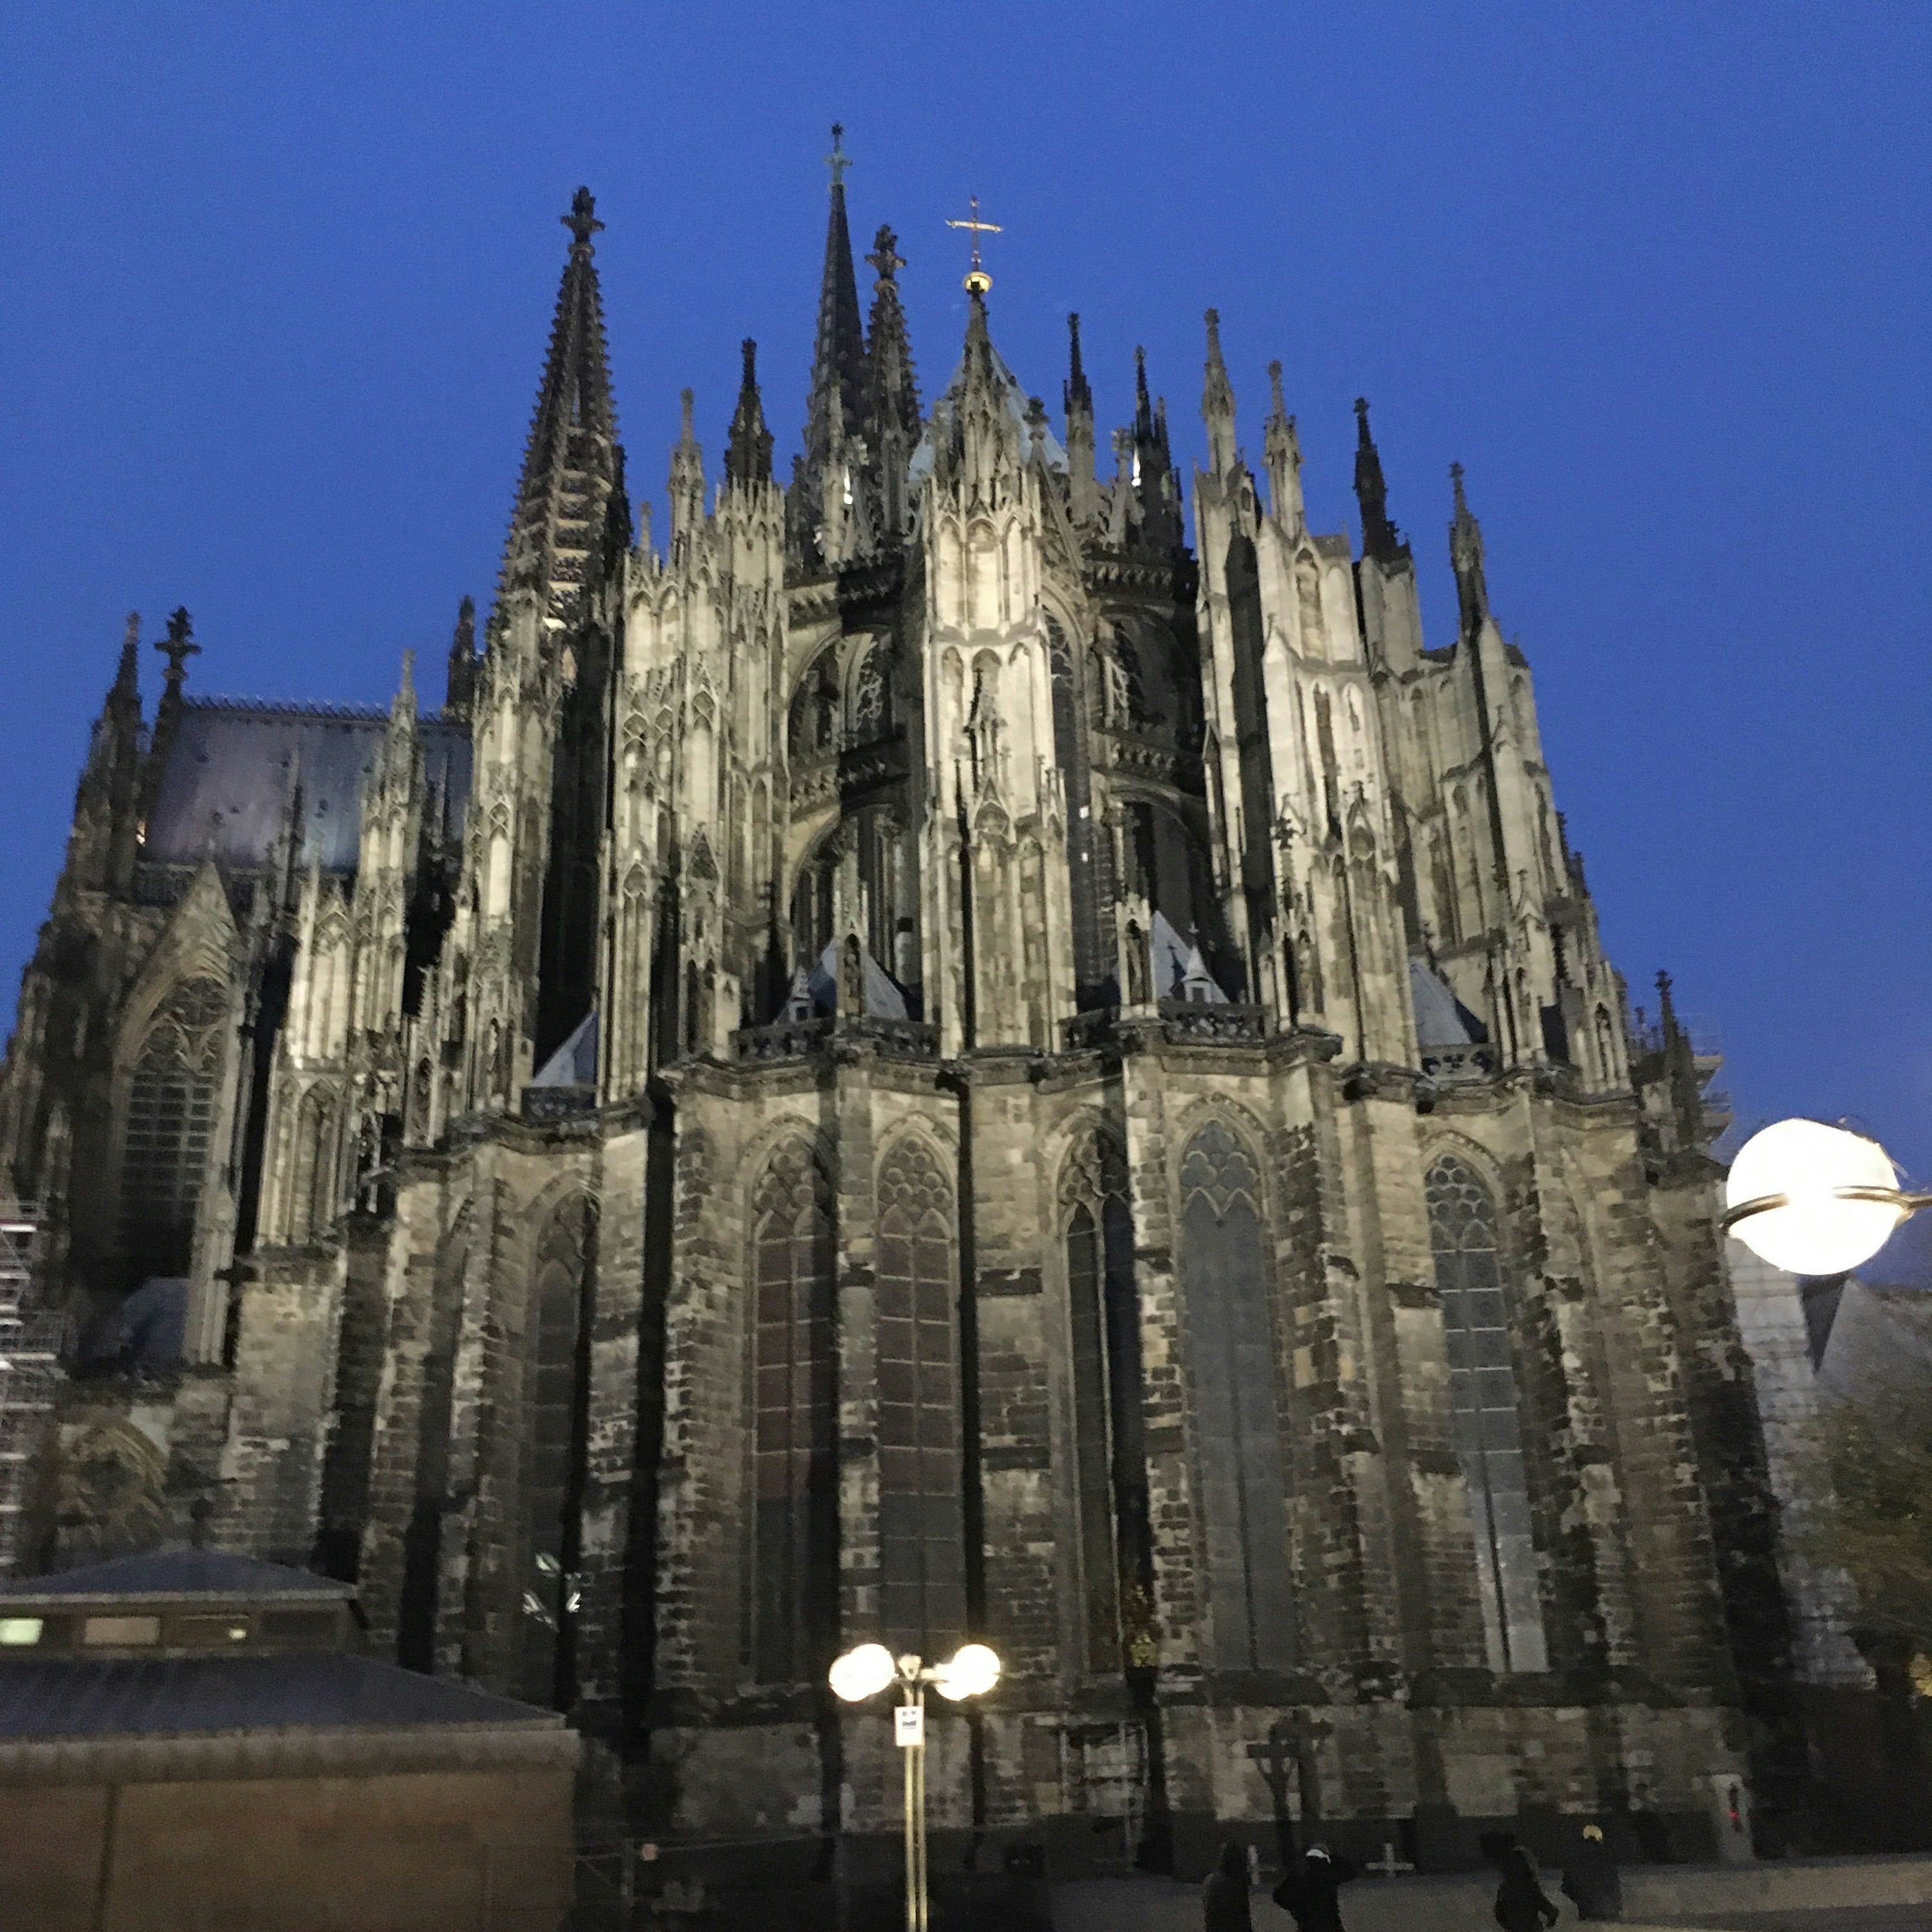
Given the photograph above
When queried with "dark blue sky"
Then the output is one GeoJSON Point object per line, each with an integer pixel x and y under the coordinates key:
{"type": "Point", "coordinates": [276, 281]}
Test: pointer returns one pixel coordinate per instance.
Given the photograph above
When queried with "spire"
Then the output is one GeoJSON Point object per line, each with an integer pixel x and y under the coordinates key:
{"type": "Point", "coordinates": [1281, 453]}
{"type": "Point", "coordinates": [1074, 394]}
{"type": "Point", "coordinates": [1217, 402]}
{"type": "Point", "coordinates": [402, 706]}
{"type": "Point", "coordinates": [128, 674]}
{"type": "Point", "coordinates": [1153, 465]}
{"type": "Point", "coordinates": [834, 410]}
{"type": "Point", "coordinates": [748, 448]}
{"type": "Point", "coordinates": [459, 682]}
{"type": "Point", "coordinates": [1381, 539]}
{"type": "Point", "coordinates": [568, 462]}
{"type": "Point", "coordinates": [686, 488]}
{"type": "Point", "coordinates": [1077, 399]}
{"type": "Point", "coordinates": [892, 398]}
{"type": "Point", "coordinates": [1466, 553]}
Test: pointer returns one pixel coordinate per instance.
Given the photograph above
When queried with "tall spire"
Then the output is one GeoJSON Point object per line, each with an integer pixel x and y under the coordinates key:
{"type": "Point", "coordinates": [460, 681]}
{"type": "Point", "coordinates": [101, 849]}
{"type": "Point", "coordinates": [835, 409]}
{"type": "Point", "coordinates": [568, 466]}
{"type": "Point", "coordinates": [748, 448]}
{"type": "Point", "coordinates": [1281, 452]}
{"type": "Point", "coordinates": [1465, 554]}
{"type": "Point", "coordinates": [1077, 398]}
{"type": "Point", "coordinates": [1217, 402]}
{"type": "Point", "coordinates": [1381, 539]}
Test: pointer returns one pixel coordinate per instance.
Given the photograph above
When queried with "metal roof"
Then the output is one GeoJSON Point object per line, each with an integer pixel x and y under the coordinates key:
{"type": "Point", "coordinates": [57, 1698]}
{"type": "Point", "coordinates": [182, 1574]}
{"type": "Point", "coordinates": [225, 791]}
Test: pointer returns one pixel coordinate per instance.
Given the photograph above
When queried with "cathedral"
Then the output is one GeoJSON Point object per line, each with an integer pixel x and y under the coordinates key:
{"type": "Point", "coordinates": [982, 1042]}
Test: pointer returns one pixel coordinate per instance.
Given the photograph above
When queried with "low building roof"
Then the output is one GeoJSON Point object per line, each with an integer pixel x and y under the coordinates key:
{"type": "Point", "coordinates": [180, 1574]}
{"type": "Point", "coordinates": [44, 1700]}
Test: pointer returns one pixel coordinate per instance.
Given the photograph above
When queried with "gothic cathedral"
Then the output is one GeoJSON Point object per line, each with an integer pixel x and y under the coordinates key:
{"type": "Point", "coordinates": [965, 1045]}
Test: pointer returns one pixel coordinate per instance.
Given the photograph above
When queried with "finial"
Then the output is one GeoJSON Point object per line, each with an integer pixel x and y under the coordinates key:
{"type": "Point", "coordinates": [179, 647]}
{"type": "Point", "coordinates": [838, 160]}
{"type": "Point", "coordinates": [582, 220]}
{"type": "Point", "coordinates": [686, 399]}
{"type": "Point", "coordinates": [1277, 401]}
{"type": "Point", "coordinates": [748, 348]}
{"type": "Point", "coordinates": [885, 257]}
{"type": "Point", "coordinates": [132, 635]}
{"type": "Point", "coordinates": [1213, 319]}
{"type": "Point", "coordinates": [977, 280]}
{"type": "Point", "coordinates": [1073, 339]}
{"type": "Point", "coordinates": [1456, 478]}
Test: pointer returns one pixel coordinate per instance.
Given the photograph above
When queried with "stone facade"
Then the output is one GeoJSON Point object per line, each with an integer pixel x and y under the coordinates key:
{"type": "Point", "coordinates": [932, 1058]}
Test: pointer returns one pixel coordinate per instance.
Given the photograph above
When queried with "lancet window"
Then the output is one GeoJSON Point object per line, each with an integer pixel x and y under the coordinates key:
{"type": "Point", "coordinates": [922, 1583]}
{"type": "Point", "coordinates": [555, 1440]}
{"type": "Point", "coordinates": [171, 1097]}
{"type": "Point", "coordinates": [794, 1395]}
{"type": "Point", "coordinates": [1243, 1481]}
{"type": "Point", "coordinates": [1103, 1312]}
{"type": "Point", "coordinates": [1484, 1412]}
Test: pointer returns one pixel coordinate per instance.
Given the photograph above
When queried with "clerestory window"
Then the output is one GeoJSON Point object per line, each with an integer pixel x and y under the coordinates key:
{"type": "Point", "coordinates": [170, 1119]}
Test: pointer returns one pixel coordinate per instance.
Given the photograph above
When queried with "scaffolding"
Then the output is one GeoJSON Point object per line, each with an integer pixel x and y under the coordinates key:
{"type": "Point", "coordinates": [29, 1375]}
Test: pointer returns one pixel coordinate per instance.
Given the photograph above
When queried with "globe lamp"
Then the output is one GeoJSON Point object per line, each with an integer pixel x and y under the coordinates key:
{"type": "Point", "coordinates": [1813, 1199]}
{"type": "Point", "coordinates": [862, 1673]}
{"type": "Point", "coordinates": [971, 1671]}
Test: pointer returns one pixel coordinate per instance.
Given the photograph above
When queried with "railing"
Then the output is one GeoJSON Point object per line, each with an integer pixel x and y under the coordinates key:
{"type": "Point", "coordinates": [544, 1106]}
{"type": "Point", "coordinates": [784, 1040]}
{"type": "Point", "coordinates": [912, 1038]}
{"type": "Point", "coordinates": [1451, 1066]}
{"type": "Point", "coordinates": [1196, 1020]}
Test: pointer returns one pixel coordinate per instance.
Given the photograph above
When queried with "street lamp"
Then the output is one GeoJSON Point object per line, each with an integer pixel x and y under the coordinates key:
{"type": "Point", "coordinates": [971, 1671]}
{"type": "Point", "coordinates": [1813, 1199]}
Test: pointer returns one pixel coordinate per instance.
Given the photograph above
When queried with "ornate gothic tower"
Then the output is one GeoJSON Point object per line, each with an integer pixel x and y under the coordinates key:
{"type": "Point", "coordinates": [931, 1058]}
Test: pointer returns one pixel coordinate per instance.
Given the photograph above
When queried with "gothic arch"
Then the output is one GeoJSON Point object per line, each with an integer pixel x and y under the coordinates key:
{"type": "Point", "coordinates": [1227, 1306]}
{"type": "Point", "coordinates": [1466, 1237]}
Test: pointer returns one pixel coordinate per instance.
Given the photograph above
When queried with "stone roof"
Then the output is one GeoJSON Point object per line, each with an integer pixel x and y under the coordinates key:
{"type": "Point", "coordinates": [181, 1573]}
{"type": "Point", "coordinates": [225, 791]}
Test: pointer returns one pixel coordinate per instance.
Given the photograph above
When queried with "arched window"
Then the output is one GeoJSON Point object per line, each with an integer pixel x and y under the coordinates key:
{"type": "Point", "coordinates": [922, 1535]}
{"type": "Point", "coordinates": [171, 1103]}
{"type": "Point", "coordinates": [557, 1371]}
{"type": "Point", "coordinates": [1484, 1410]}
{"type": "Point", "coordinates": [1231, 1346]}
{"type": "Point", "coordinates": [1110, 1468]}
{"type": "Point", "coordinates": [795, 1403]}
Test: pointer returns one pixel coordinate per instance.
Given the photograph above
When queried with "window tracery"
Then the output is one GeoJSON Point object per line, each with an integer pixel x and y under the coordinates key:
{"type": "Point", "coordinates": [1244, 1475]}
{"type": "Point", "coordinates": [171, 1096]}
{"type": "Point", "coordinates": [921, 1576]}
{"type": "Point", "coordinates": [794, 1479]}
{"type": "Point", "coordinates": [1484, 1412]}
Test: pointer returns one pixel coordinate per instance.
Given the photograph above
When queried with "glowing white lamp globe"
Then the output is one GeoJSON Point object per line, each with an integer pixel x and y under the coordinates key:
{"type": "Point", "coordinates": [1839, 1197]}
{"type": "Point", "coordinates": [971, 1671]}
{"type": "Point", "coordinates": [862, 1673]}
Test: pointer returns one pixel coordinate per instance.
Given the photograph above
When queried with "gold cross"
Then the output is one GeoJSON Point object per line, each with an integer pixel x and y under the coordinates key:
{"type": "Point", "coordinates": [977, 280]}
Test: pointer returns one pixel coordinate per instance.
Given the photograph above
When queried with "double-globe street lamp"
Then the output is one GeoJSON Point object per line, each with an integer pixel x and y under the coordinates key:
{"type": "Point", "coordinates": [971, 1671]}
{"type": "Point", "coordinates": [1813, 1199]}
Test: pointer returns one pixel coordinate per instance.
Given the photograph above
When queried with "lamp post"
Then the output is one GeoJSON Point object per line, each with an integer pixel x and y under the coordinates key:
{"type": "Point", "coordinates": [1813, 1199]}
{"type": "Point", "coordinates": [971, 1671]}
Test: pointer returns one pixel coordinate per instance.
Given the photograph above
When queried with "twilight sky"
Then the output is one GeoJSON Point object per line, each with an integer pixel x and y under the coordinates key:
{"type": "Point", "coordinates": [276, 284]}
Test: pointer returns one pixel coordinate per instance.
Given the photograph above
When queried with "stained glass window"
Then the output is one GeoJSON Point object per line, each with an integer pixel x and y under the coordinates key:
{"type": "Point", "coordinates": [1484, 1410]}
{"type": "Point", "coordinates": [795, 1515]}
{"type": "Point", "coordinates": [1243, 1475]}
{"type": "Point", "coordinates": [921, 1535]}
{"type": "Point", "coordinates": [171, 1104]}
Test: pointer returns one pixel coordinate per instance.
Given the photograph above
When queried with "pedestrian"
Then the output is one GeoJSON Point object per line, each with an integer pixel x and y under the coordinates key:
{"type": "Point", "coordinates": [1224, 1898]}
{"type": "Point", "coordinates": [1307, 1893]}
{"type": "Point", "coordinates": [1521, 1904]}
{"type": "Point", "coordinates": [1590, 1880]}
